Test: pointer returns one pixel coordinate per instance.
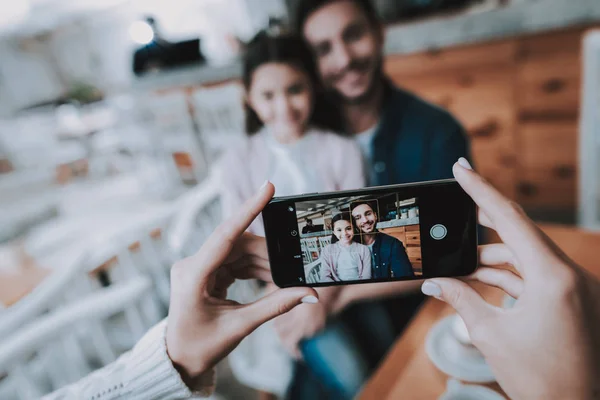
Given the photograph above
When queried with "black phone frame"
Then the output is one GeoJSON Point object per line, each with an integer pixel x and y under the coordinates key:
{"type": "Point", "coordinates": [440, 202]}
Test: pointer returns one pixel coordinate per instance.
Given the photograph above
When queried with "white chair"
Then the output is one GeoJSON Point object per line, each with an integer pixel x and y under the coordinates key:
{"type": "Point", "coordinates": [106, 153]}
{"type": "Point", "coordinates": [79, 225]}
{"type": "Point", "coordinates": [324, 241]}
{"type": "Point", "coordinates": [219, 115]}
{"type": "Point", "coordinates": [27, 139]}
{"type": "Point", "coordinates": [140, 249]}
{"type": "Point", "coordinates": [306, 256]}
{"type": "Point", "coordinates": [312, 246]}
{"type": "Point", "coordinates": [174, 132]}
{"type": "Point", "coordinates": [27, 197]}
{"type": "Point", "coordinates": [47, 295]}
{"type": "Point", "coordinates": [71, 280]}
{"type": "Point", "coordinates": [46, 354]}
{"type": "Point", "coordinates": [198, 215]}
{"type": "Point", "coordinates": [312, 272]}
{"type": "Point", "coordinates": [32, 142]}
{"type": "Point", "coordinates": [27, 180]}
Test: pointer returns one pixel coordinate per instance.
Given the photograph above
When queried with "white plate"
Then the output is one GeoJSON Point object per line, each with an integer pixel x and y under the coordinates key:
{"type": "Point", "coordinates": [459, 391]}
{"type": "Point", "coordinates": [453, 358]}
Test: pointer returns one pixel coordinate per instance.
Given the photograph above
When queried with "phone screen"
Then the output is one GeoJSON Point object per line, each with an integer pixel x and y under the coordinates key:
{"type": "Point", "coordinates": [400, 232]}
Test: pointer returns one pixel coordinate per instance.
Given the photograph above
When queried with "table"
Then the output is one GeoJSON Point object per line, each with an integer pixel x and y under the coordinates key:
{"type": "Point", "coordinates": [407, 372]}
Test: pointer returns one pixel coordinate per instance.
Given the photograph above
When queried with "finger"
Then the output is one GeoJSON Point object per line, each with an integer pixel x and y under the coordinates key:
{"type": "Point", "coordinates": [235, 226]}
{"type": "Point", "coordinates": [496, 254]}
{"type": "Point", "coordinates": [255, 245]}
{"type": "Point", "coordinates": [217, 247]}
{"type": "Point", "coordinates": [484, 220]}
{"type": "Point", "coordinates": [500, 278]}
{"type": "Point", "coordinates": [274, 304]}
{"type": "Point", "coordinates": [514, 228]}
{"type": "Point", "coordinates": [290, 344]}
{"type": "Point", "coordinates": [284, 327]}
{"type": "Point", "coordinates": [253, 272]}
{"type": "Point", "coordinates": [460, 296]}
{"type": "Point", "coordinates": [249, 244]}
{"type": "Point", "coordinates": [288, 337]}
{"type": "Point", "coordinates": [247, 261]}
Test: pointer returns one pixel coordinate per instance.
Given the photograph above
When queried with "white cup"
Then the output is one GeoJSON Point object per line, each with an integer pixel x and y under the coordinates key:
{"type": "Point", "coordinates": [460, 331]}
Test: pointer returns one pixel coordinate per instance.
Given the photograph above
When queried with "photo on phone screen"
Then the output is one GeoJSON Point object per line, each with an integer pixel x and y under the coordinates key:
{"type": "Point", "coordinates": [360, 237]}
{"type": "Point", "coordinates": [400, 232]}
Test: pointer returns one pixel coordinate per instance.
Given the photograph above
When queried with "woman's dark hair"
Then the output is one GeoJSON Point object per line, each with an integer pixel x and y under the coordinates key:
{"type": "Point", "coordinates": [343, 216]}
{"type": "Point", "coordinates": [292, 50]}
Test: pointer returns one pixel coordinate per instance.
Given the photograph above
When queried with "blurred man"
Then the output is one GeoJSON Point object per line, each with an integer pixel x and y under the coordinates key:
{"type": "Point", "coordinates": [403, 138]}
{"type": "Point", "coordinates": [388, 256]}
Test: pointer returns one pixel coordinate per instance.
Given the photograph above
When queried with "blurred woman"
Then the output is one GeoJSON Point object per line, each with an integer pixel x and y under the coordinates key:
{"type": "Point", "coordinates": [344, 259]}
{"type": "Point", "coordinates": [291, 129]}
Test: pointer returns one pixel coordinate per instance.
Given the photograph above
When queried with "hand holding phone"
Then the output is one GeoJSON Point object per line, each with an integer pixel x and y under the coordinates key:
{"type": "Point", "coordinates": [381, 234]}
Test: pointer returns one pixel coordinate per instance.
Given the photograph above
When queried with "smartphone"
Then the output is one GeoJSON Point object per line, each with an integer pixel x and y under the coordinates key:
{"type": "Point", "coordinates": [378, 234]}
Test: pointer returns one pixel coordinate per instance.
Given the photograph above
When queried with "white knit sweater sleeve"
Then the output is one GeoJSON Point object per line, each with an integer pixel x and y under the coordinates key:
{"type": "Point", "coordinates": [146, 372]}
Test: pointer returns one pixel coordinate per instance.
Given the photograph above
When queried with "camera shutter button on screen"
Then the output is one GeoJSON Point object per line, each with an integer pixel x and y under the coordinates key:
{"type": "Point", "coordinates": [438, 232]}
{"type": "Point", "coordinates": [294, 233]}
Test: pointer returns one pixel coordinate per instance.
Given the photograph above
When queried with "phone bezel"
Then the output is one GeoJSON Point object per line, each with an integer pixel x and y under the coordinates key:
{"type": "Point", "coordinates": [275, 228]}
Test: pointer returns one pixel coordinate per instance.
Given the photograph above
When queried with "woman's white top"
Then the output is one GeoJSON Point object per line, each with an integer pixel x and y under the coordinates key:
{"type": "Point", "coordinates": [347, 263]}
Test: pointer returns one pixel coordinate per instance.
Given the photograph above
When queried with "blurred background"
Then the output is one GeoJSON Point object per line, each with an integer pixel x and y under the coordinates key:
{"type": "Point", "coordinates": [113, 113]}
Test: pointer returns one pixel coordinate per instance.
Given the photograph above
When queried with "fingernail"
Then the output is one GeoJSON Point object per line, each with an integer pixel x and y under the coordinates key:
{"type": "Point", "coordinates": [464, 163]}
{"type": "Point", "coordinates": [431, 289]}
{"type": "Point", "coordinates": [310, 300]}
{"type": "Point", "coordinates": [264, 185]}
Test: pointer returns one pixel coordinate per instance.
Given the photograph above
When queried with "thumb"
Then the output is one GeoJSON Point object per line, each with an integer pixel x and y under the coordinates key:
{"type": "Point", "coordinates": [277, 303]}
{"type": "Point", "coordinates": [460, 296]}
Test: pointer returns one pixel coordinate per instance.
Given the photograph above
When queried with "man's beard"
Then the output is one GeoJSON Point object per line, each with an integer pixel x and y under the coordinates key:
{"type": "Point", "coordinates": [362, 66]}
{"type": "Point", "coordinates": [372, 226]}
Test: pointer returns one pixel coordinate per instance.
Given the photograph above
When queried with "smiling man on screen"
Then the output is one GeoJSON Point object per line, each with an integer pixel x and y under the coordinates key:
{"type": "Point", "coordinates": [388, 256]}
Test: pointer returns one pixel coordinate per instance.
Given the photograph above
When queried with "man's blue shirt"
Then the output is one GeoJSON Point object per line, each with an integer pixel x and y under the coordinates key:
{"type": "Point", "coordinates": [415, 141]}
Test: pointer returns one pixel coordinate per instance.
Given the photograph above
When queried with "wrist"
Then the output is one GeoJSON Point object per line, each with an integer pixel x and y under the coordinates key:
{"type": "Point", "coordinates": [192, 369]}
{"type": "Point", "coordinates": [196, 381]}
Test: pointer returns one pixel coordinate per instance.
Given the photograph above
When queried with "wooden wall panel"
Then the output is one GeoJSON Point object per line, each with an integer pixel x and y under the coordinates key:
{"type": "Point", "coordinates": [551, 43]}
{"type": "Point", "coordinates": [482, 98]}
{"type": "Point", "coordinates": [455, 59]}
{"type": "Point", "coordinates": [543, 190]}
{"type": "Point", "coordinates": [548, 165]}
{"type": "Point", "coordinates": [549, 88]}
{"type": "Point", "coordinates": [519, 100]}
{"type": "Point", "coordinates": [410, 236]}
{"type": "Point", "coordinates": [550, 146]}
